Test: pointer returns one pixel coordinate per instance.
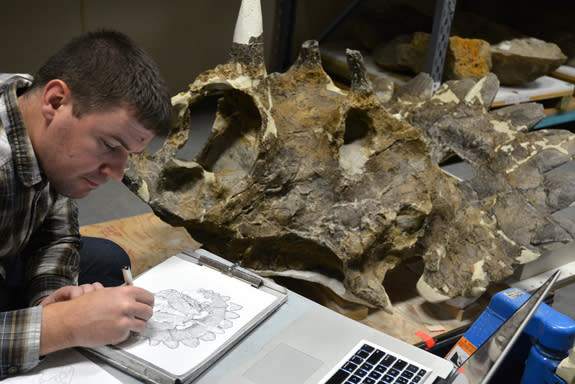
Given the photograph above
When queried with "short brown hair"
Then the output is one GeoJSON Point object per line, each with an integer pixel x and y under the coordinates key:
{"type": "Point", "coordinates": [106, 69]}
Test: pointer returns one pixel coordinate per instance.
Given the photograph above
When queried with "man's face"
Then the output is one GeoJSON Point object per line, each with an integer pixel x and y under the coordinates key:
{"type": "Point", "coordinates": [80, 154]}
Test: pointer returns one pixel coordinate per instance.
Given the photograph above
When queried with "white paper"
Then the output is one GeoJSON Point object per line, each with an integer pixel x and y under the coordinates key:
{"type": "Point", "coordinates": [65, 367]}
{"type": "Point", "coordinates": [197, 309]}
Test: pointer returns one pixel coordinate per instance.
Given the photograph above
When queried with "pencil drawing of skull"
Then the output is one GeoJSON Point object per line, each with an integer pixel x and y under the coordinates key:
{"type": "Point", "coordinates": [304, 178]}
{"type": "Point", "coordinates": [189, 318]}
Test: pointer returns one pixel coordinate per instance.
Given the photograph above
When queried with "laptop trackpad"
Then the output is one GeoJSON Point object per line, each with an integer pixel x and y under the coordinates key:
{"type": "Point", "coordinates": [283, 365]}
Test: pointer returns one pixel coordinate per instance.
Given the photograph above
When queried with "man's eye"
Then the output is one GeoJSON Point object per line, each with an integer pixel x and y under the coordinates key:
{"type": "Point", "coordinates": [110, 147]}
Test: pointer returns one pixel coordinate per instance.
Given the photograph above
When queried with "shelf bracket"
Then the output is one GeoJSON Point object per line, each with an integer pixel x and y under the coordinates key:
{"type": "Point", "coordinates": [439, 42]}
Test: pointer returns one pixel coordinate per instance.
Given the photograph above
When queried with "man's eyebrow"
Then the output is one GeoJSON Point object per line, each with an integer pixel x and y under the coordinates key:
{"type": "Point", "coordinates": [122, 143]}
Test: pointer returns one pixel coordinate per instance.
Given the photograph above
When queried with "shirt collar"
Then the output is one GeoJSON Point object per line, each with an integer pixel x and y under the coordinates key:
{"type": "Point", "coordinates": [25, 162]}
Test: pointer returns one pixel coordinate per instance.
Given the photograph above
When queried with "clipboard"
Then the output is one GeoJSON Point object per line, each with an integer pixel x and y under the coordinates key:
{"type": "Point", "coordinates": [214, 267]}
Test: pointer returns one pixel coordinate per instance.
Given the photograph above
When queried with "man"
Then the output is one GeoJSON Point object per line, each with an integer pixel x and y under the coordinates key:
{"type": "Point", "coordinates": [93, 103]}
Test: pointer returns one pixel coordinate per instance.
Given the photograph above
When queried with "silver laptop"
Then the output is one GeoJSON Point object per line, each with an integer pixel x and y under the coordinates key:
{"type": "Point", "coordinates": [311, 348]}
{"type": "Point", "coordinates": [322, 347]}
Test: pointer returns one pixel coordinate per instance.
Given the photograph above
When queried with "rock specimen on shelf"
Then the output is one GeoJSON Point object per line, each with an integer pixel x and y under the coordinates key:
{"type": "Point", "coordinates": [403, 53]}
{"type": "Point", "coordinates": [301, 178]}
{"type": "Point", "coordinates": [376, 23]}
{"type": "Point", "coordinates": [465, 58]}
{"type": "Point", "coordinates": [514, 61]}
{"type": "Point", "coordinates": [520, 61]}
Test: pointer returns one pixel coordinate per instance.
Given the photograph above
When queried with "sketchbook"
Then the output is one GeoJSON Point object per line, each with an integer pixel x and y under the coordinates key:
{"type": "Point", "coordinates": [64, 367]}
{"type": "Point", "coordinates": [204, 304]}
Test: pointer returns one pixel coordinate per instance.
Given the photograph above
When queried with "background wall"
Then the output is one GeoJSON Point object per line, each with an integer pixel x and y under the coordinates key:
{"type": "Point", "coordinates": [185, 37]}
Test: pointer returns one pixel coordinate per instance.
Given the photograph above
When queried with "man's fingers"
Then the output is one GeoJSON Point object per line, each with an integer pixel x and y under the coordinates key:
{"type": "Point", "coordinates": [141, 295]}
{"type": "Point", "coordinates": [98, 316]}
{"type": "Point", "coordinates": [144, 312]}
{"type": "Point", "coordinates": [74, 292]}
{"type": "Point", "coordinates": [97, 286]}
{"type": "Point", "coordinates": [83, 289]}
{"type": "Point", "coordinates": [139, 325]}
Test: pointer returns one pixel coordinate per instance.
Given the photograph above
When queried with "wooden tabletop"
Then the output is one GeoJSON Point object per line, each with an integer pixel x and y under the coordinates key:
{"type": "Point", "coordinates": [146, 238]}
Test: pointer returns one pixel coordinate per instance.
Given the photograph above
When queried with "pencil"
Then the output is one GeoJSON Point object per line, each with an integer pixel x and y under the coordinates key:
{"type": "Point", "coordinates": [127, 275]}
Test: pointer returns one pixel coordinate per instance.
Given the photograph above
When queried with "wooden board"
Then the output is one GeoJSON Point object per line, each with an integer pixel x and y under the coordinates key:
{"type": "Point", "coordinates": [147, 239]}
{"type": "Point", "coordinates": [565, 72]}
{"type": "Point", "coordinates": [543, 88]}
{"type": "Point", "coordinates": [561, 109]}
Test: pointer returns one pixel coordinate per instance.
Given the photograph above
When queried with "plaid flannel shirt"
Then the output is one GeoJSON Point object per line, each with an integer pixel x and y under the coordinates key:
{"type": "Point", "coordinates": [36, 224]}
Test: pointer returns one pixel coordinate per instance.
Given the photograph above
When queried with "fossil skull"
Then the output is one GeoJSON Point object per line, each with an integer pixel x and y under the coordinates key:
{"type": "Point", "coordinates": [304, 178]}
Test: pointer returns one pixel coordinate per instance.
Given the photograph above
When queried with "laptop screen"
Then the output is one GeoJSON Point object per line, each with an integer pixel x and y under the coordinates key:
{"type": "Point", "coordinates": [482, 364]}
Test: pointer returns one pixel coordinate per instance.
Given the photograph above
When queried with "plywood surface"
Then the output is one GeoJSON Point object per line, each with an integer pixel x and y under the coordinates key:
{"type": "Point", "coordinates": [543, 88]}
{"type": "Point", "coordinates": [147, 239]}
{"type": "Point", "coordinates": [565, 72]}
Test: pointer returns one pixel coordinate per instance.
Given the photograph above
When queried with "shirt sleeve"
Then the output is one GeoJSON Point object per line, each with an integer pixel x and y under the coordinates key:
{"type": "Point", "coordinates": [52, 254]}
{"type": "Point", "coordinates": [20, 340]}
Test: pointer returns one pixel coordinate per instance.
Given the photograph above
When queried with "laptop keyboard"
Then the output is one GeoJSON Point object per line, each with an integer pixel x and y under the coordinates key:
{"type": "Point", "coordinates": [371, 364]}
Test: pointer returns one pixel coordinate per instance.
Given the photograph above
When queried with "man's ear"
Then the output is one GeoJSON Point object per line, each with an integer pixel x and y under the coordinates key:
{"type": "Point", "coordinates": [56, 94]}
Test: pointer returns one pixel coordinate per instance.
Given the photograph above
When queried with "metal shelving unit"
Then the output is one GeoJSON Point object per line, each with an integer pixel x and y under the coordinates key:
{"type": "Point", "coordinates": [444, 11]}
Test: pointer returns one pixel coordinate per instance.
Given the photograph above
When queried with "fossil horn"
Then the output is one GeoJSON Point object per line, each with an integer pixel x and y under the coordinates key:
{"type": "Point", "coordinates": [249, 24]}
{"type": "Point", "coordinates": [248, 44]}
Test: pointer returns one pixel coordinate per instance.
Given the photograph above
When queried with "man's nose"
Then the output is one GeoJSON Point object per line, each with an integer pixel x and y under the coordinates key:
{"type": "Point", "coordinates": [114, 167]}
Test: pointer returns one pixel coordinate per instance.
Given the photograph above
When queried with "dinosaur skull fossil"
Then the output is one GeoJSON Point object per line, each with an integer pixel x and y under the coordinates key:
{"type": "Point", "coordinates": [304, 178]}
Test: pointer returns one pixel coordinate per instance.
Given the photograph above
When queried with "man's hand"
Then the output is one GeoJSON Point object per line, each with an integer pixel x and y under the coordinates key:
{"type": "Point", "coordinates": [70, 292]}
{"type": "Point", "coordinates": [93, 318]}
